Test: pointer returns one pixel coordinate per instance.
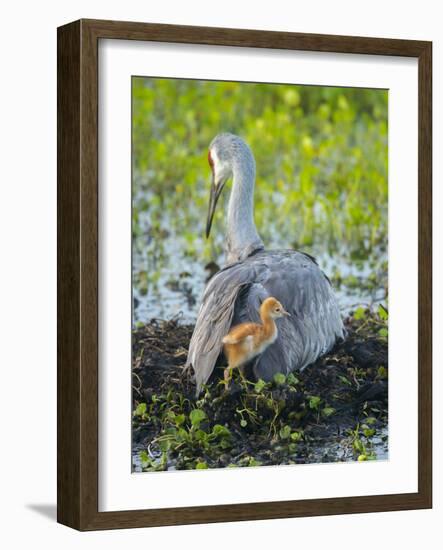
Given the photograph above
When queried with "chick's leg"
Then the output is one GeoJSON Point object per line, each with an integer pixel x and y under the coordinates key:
{"type": "Point", "coordinates": [242, 373]}
{"type": "Point", "coordinates": [227, 375]}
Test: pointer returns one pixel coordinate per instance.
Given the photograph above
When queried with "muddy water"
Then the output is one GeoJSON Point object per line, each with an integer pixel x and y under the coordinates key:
{"type": "Point", "coordinates": [321, 452]}
{"type": "Point", "coordinates": [181, 282]}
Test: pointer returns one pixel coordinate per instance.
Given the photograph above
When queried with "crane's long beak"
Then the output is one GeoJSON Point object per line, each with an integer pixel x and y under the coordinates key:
{"type": "Point", "coordinates": [216, 190]}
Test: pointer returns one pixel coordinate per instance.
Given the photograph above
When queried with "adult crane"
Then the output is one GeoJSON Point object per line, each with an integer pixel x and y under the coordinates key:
{"type": "Point", "coordinates": [252, 274]}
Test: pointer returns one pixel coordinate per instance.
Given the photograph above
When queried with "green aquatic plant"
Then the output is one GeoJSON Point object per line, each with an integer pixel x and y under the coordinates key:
{"type": "Point", "coordinates": [360, 440]}
{"type": "Point", "coordinates": [279, 421]}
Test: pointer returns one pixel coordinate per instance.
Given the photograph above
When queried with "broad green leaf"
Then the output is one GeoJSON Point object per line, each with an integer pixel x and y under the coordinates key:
{"type": "Point", "coordinates": [292, 380]}
{"type": "Point", "coordinates": [140, 410]}
{"type": "Point", "coordinates": [382, 313]}
{"type": "Point", "coordinates": [359, 313]}
{"type": "Point", "coordinates": [285, 432]}
{"type": "Point", "coordinates": [196, 416]}
{"type": "Point", "coordinates": [328, 411]}
{"type": "Point", "coordinates": [314, 402]}
{"type": "Point", "coordinates": [279, 378]}
{"type": "Point", "coordinates": [259, 385]}
{"type": "Point", "coordinates": [221, 431]}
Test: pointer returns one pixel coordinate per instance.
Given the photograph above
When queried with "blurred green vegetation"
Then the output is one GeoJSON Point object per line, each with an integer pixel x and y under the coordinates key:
{"type": "Point", "coordinates": [322, 167]}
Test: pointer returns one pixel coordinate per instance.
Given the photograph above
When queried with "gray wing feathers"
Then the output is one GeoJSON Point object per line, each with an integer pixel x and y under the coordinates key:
{"type": "Point", "coordinates": [248, 303]}
{"type": "Point", "coordinates": [234, 296]}
{"type": "Point", "coordinates": [315, 323]}
{"type": "Point", "coordinates": [215, 319]}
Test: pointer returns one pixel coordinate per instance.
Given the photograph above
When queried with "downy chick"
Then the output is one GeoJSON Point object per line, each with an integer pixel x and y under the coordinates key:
{"type": "Point", "coordinates": [248, 340]}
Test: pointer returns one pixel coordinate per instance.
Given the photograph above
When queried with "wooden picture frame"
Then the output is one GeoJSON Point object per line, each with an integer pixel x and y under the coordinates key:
{"type": "Point", "coordinates": [78, 273]}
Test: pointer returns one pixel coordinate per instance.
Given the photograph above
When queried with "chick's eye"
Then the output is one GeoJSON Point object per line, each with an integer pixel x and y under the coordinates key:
{"type": "Point", "coordinates": [277, 309]}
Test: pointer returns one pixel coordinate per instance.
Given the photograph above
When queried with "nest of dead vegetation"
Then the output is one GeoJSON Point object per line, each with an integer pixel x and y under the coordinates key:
{"type": "Point", "coordinates": [335, 410]}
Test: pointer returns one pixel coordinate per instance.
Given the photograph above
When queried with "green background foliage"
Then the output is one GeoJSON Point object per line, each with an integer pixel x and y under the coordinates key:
{"type": "Point", "coordinates": [322, 164]}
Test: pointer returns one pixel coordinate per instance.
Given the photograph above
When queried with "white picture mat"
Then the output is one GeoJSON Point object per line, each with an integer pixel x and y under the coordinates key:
{"type": "Point", "coordinates": [119, 489]}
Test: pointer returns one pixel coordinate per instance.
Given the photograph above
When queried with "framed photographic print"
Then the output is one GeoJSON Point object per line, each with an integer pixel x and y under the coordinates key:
{"type": "Point", "coordinates": [244, 274]}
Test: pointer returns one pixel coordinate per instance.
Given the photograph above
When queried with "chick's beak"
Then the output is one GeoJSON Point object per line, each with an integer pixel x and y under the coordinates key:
{"type": "Point", "coordinates": [286, 313]}
{"type": "Point", "coordinates": [216, 189]}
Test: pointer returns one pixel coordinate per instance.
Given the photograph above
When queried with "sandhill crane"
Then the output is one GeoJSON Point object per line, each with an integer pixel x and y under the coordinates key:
{"type": "Point", "coordinates": [252, 274]}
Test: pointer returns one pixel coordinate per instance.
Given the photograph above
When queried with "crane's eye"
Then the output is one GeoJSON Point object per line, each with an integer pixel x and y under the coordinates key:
{"type": "Point", "coordinates": [277, 309]}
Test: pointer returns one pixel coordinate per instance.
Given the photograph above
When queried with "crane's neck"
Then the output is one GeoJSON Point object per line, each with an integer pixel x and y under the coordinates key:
{"type": "Point", "coordinates": [242, 237]}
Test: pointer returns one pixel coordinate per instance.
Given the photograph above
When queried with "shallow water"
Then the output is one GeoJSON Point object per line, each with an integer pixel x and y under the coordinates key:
{"type": "Point", "coordinates": [181, 282]}
{"type": "Point", "coordinates": [321, 452]}
{"type": "Point", "coordinates": [170, 255]}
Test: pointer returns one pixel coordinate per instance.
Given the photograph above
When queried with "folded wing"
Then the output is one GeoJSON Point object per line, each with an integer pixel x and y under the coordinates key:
{"type": "Point", "coordinates": [234, 295]}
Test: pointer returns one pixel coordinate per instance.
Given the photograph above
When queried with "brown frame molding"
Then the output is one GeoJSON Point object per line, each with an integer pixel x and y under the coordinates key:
{"type": "Point", "coordinates": [77, 173]}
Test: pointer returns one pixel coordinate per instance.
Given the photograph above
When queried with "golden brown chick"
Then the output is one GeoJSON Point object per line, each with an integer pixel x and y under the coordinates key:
{"type": "Point", "coordinates": [247, 340]}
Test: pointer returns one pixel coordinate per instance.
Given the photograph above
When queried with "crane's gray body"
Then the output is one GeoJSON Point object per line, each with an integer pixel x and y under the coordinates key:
{"type": "Point", "coordinates": [235, 293]}
{"type": "Point", "coordinates": [234, 296]}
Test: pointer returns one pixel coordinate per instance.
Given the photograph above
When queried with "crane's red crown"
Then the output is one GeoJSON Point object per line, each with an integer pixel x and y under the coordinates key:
{"type": "Point", "coordinates": [211, 162]}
